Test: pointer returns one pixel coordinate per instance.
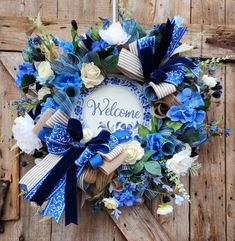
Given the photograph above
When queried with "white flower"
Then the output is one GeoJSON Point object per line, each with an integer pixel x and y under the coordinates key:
{"type": "Point", "coordinates": [209, 81]}
{"type": "Point", "coordinates": [43, 91]}
{"type": "Point", "coordinates": [87, 135]}
{"type": "Point", "coordinates": [91, 75]}
{"type": "Point", "coordinates": [45, 71]}
{"type": "Point", "coordinates": [26, 140]}
{"type": "Point", "coordinates": [110, 203]}
{"type": "Point", "coordinates": [164, 209]}
{"type": "Point", "coordinates": [114, 34]}
{"type": "Point", "coordinates": [134, 151]}
{"type": "Point", "coordinates": [178, 199]}
{"type": "Point", "coordinates": [181, 161]}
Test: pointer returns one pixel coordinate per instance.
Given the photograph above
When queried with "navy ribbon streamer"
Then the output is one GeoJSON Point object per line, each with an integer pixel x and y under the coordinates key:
{"type": "Point", "coordinates": [67, 166]}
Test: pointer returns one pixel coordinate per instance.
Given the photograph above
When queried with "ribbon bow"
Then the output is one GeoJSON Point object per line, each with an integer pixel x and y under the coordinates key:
{"type": "Point", "coordinates": [66, 141]}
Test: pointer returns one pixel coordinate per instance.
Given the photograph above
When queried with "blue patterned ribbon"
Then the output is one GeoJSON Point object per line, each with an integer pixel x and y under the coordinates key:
{"type": "Point", "coordinates": [66, 166]}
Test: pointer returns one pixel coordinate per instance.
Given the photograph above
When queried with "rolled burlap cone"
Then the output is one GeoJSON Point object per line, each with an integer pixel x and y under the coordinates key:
{"type": "Point", "coordinates": [160, 109]}
{"type": "Point", "coordinates": [90, 175]}
{"type": "Point", "coordinates": [108, 167]}
{"type": "Point", "coordinates": [43, 119]}
{"type": "Point", "coordinates": [171, 100]}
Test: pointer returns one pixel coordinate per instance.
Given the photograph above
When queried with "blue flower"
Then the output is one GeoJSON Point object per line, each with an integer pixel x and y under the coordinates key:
{"type": "Point", "coordinates": [227, 132]}
{"type": "Point", "coordinates": [189, 116]}
{"type": "Point", "coordinates": [190, 98]}
{"type": "Point", "coordinates": [66, 45]}
{"type": "Point", "coordinates": [50, 103]}
{"type": "Point", "coordinates": [99, 45]}
{"type": "Point", "coordinates": [178, 199]}
{"type": "Point", "coordinates": [34, 41]}
{"type": "Point", "coordinates": [25, 69]}
{"type": "Point", "coordinates": [128, 196]}
{"type": "Point", "coordinates": [154, 142]}
{"type": "Point", "coordinates": [68, 80]}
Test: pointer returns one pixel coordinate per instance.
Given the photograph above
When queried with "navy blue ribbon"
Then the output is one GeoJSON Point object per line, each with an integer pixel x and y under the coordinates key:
{"type": "Point", "coordinates": [66, 166]}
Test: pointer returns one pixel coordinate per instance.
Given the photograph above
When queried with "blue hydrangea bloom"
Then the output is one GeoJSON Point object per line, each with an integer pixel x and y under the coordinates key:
{"type": "Point", "coordinates": [154, 142]}
{"type": "Point", "coordinates": [50, 103]}
{"type": "Point", "coordinates": [99, 45]}
{"type": "Point", "coordinates": [25, 69]}
{"type": "Point", "coordinates": [185, 114]}
{"type": "Point", "coordinates": [66, 45]}
{"type": "Point", "coordinates": [190, 98]}
{"type": "Point", "coordinates": [128, 196]}
{"type": "Point", "coordinates": [68, 80]}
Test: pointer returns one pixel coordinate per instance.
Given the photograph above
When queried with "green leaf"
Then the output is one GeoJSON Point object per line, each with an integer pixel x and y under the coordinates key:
{"type": "Point", "coordinates": [175, 125]}
{"type": "Point", "coordinates": [95, 33]}
{"type": "Point", "coordinates": [110, 62]}
{"type": "Point", "coordinates": [154, 124]}
{"type": "Point", "coordinates": [137, 167]}
{"type": "Point", "coordinates": [153, 167]}
{"type": "Point", "coordinates": [143, 131]}
{"type": "Point", "coordinates": [147, 155]}
{"type": "Point", "coordinates": [96, 59]}
{"type": "Point", "coordinates": [141, 31]}
{"type": "Point", "coordinates": [26, 82]}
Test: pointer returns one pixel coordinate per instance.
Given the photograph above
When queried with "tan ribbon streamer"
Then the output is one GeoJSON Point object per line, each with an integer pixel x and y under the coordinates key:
{"type": "Point", "coordinates": [41, 122]}
{"type": "Point", "coordinates": [34, 175]}
{"type": "Point", "coordinates": [162, 106]}
{"type": "Point", "coordinates": [182, 48]}
{"type": "Point", "coordinates": [133, 48]}
{"type": "Point", "coordinates": [162, 89]}
{"type": "Point", "coordinates": [58, 117]}
{"type": "Point", "coordinates": [114, 153]}
{"type": "Point", "coordinates": [109, 167]}
{"type": "Point", "coordinates": [130, 65]}
{"type": "Point", "coordinates": [90, 175]}
{"type": "Point", "coordinates": [102, 181]}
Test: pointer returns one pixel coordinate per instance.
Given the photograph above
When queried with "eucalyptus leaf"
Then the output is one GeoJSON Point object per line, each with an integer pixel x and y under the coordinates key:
{"type": "Point", "coordinates": [175, 125]}
{"type": "Point", "coordinates": [153, 167]}
{"type": "Point", "coordinates": [143, 131]}
{"type": "Point", "coordinates": [137, 167]}
{"type": "Point", "coordinates": [147, 155]}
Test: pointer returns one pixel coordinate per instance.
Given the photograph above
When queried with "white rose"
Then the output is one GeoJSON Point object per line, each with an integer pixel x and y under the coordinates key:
{"type": "Point", "coordinates": [110, 203]}
{"type": "Point", "coordinates": [114, 34]}
{"type": "Point", "coordinates": [42, 92]}
{"type": "Point", "coordinates": [26, 140]}
{"type": "Point", "coordinates": [91, 75]}
{"type": "Point", "coordinates": [87, 135]}
{"type": "Point", "coordinates": [134, 151]}
{"type": "Point", "coordinates": [45, 71]}
{"type": "Point", "coordinates": [164, 209]}
{"type": "Point", "coordinates": [181, 161]}
{"type": "Point", "coordinates": [209, 81]}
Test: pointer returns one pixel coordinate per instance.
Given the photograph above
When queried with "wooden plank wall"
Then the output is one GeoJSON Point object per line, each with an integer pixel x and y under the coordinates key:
{"type": "Point", "coordinates": [211, 214]}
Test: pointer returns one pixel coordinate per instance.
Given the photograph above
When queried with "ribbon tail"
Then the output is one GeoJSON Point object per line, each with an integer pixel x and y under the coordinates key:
{"type": "Point", "coordinates": [56, 173]}
{"type": "Point", "coordinates": [71, 196]}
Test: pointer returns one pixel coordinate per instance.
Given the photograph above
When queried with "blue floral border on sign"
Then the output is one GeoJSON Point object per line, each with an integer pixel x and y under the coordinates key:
{"type": "Point", "coordinates": [133, 87]}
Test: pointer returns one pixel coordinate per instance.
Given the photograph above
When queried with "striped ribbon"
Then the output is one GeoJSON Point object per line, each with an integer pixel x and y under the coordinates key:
{"type": "Point", "coordinates": [114, 153]}
{"type": "Point", "coordinates": [34, 175]}
{"type": "Point", "coordinates": [58, 117]}
{"type": "Point", "coordinates": [130, 65]}
{"type": "Point", "coordinates": [163, 89]}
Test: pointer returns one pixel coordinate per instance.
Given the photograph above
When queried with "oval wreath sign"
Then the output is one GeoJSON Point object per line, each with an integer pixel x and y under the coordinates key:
{"type": "Point", "coordinates": [117, 112]}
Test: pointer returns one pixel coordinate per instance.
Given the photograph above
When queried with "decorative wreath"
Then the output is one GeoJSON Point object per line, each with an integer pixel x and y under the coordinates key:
{"type": "Point", "coordinates": [117, 112]}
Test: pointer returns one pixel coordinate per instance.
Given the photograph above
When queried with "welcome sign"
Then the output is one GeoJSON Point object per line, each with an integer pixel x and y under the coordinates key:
{"type": "Point", "coordinates": [117, 104]}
